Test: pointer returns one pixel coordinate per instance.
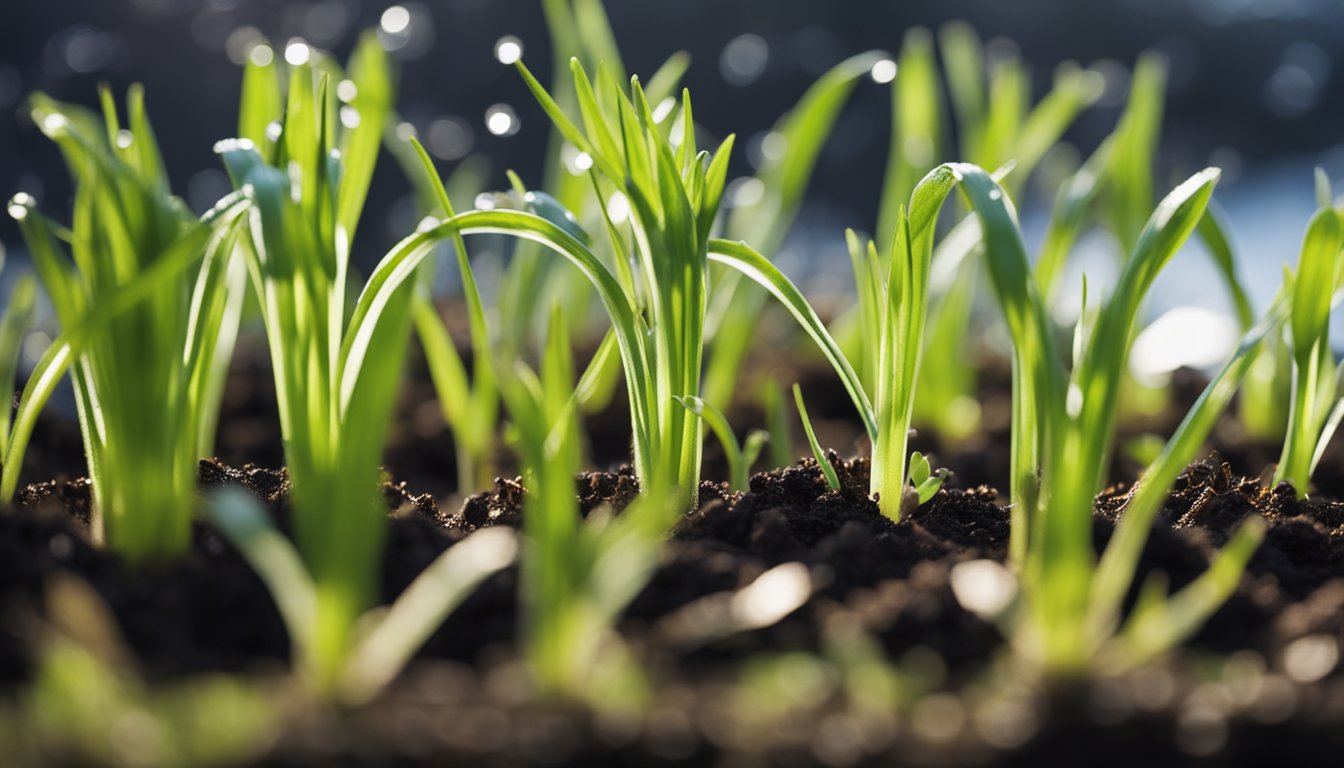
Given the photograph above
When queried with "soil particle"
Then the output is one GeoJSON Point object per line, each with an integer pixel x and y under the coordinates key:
{"type": "Point", "coordinates": [208, 611]}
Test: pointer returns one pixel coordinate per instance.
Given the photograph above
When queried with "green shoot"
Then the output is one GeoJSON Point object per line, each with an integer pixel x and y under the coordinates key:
{"type": "Point", "coordinates": [926, 482]}
{"type": "Point", "coordinates": [1063, 426]}
{"type": "Point", "coordinates": [148, 376]}
{"type": "Point", "coordinates": [741, 456]}
{"type": "Point", "coordinates": [579, 29]}
{"type": "Point", "coordinates": [471, 407]}
{"type": "Point", "coordinates": [674, 195]}
{"type": "Point", "coordinates": [577, 575]}
{"type": "Point", "coordinates": [14, 323]}
{"type": "Point", "coordinates": [796, 143]}
{"type": "Point", "coordinates": [389, 638]}
{"type": "Point", "coordinates": [1314, 374]}
{"type": "Point", "coordinates": [824, 463]}
{"type": "Point", "coordinates": [306, 188]}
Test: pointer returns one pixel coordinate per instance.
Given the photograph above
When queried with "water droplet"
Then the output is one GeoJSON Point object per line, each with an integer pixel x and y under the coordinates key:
{"type": "Point", "coordinates": [450, 138]}
{"type": "Point", "coordinates": [297, 53]}
{"type": "Point", "coordinates": [501, 120]}
{"type": "Point", "coordinates": [395, 20]}
{"type": "Point", "coordinates": [20, 204]}
{"type": "Point", "coordinates": [583, 161]}
{"type": "Point", "coordinates": [508, 49]}
{"type": "Point", "coordinates": [124, 139]}
{"type": "Point", "coordinates": [883, 71]}
{"type": "Point", "coordinates": [744, 59]}
{"type": "Point", "coordinates": [618, 208]}
{"type": "Point", "coordinates": [54, 124]}
{"type": "Point", "coordinates": [346, 91]}
{"type": "Point", "coordinates": [405, 131]}
{"type": "Point", "coordinates": [273, 130]}
{"type": "Point", "coordinates": [261, 55]}
{"type": "Point", "coordinates": [349, 117]}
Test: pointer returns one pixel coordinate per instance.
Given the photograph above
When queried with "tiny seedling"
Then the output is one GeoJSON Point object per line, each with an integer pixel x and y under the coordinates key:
{"type": "Point", "coordinates": [148, 338]}
{"type": "Point", "coordinates": [577, 574]}
{"type": "Point", "coordinates": [387, 638]}
{"type": "Point", "coordinates": [306, 181]}
{"type": "Point", "coordinates": [740, 456]}
{"type": "Point", "coordinates": [14, 323]}
{"type": "Point", "coordinates": [790, 152]}
{"type": "Point", "coordinates": [823, 461]}
{"type": "Point", "coordinates": [1314, 412]}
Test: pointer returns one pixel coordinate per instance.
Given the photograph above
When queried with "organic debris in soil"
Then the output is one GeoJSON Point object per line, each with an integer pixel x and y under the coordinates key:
{"type": "Point", "coordinates": [208, 611]}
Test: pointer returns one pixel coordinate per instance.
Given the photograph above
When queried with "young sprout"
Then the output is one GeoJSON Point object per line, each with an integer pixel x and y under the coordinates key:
{"type": "Point", "coordinates": [674, 197]}
{"type": "Point", "coordinates": [789, 153]}
{"type": "Point", "coordinates": [579, 29]}
{"type": "Point", "coordinates": [14, 323]}
{"type": "Point", "coordinates": [824, 462]}
{"type": "Point", "coordinates": [924, 479]}
{"type": "Point", "coordinates": [577, 575]}
{"type": "Point", "coordinates": [1315, 379]}
{"type": "Point", "coordinates": [335, 382]}
{"type": "Point", "coordinates": [741, 456]}
{"type": "Point", "coordinates": [1063, 428]}
{"type": "Point", "coordinates": [389, 638]}
{"type": "Point", "coordinates": [149, 337]}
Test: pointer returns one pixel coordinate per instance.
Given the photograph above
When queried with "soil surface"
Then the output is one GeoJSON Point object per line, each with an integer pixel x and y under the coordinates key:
{"type": "Point", "coordinates": [1261, 682]}
{"type": "Point", "coordinates": [887, 583]}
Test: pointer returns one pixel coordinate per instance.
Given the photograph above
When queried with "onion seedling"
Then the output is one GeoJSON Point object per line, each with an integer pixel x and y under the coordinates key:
{"type": "Point", "coordinates": [388, 638]}
{"type": "Point", "coordinates": [14, 323]}
{"type": "Point", "coordinates": [149, 340]}
{"type": "Point", "coordinates": [995, 129]}
{"type": "Point", "coordinates": [1313, 415]}
{"type": "Point", "coordinates": [577, 575]}
{"type": "Point", "coordinates": [306, 181]}
{"type": "Point", "coordinates": [579, 29]}
{"type": "Point", "coordinates": [1063, 425]}
{"type": "Point", "coordinates": [789, 154]}
{"type": "Point", "coordinates": [674, 196]}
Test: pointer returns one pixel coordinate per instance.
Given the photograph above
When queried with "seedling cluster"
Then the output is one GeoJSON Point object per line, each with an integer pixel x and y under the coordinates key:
{"type": "Point", "coordinates": [150, 299]}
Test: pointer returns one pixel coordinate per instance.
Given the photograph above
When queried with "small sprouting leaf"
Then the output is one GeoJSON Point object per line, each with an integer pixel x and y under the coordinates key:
{"type": "Point", "coordinates": [832, 479]}
{"type": "Point", "coordinates": [919, 468]}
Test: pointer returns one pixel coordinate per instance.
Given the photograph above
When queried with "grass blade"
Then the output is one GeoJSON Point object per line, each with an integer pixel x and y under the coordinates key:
{"type": "Point", "coordinates": [824, 463]}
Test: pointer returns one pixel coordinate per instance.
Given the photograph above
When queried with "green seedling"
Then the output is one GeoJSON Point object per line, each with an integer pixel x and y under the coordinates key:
{"type": "Point", "coordinates": [794, 145]}
{"type": "Point", "coordinates": [577, 574]}
{"type": "Point", "coordinates": [147, 337]}
{"type": "Point", "coordinates": [823, 461]}
{"type": "Point", "coordinates": [388, 638]}
{"type": "Point", "coordinates": [1314, 413]}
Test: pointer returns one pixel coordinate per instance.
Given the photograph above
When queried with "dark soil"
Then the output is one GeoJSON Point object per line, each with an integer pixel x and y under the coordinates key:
{"type": "Point", "coordinates": [1232, 696]}
{"type": "Point", "coordinates": [886, 581]}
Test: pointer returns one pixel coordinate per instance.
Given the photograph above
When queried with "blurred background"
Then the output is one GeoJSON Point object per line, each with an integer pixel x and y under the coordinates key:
{"type": "Point", "coordinates": [1256, 87]}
